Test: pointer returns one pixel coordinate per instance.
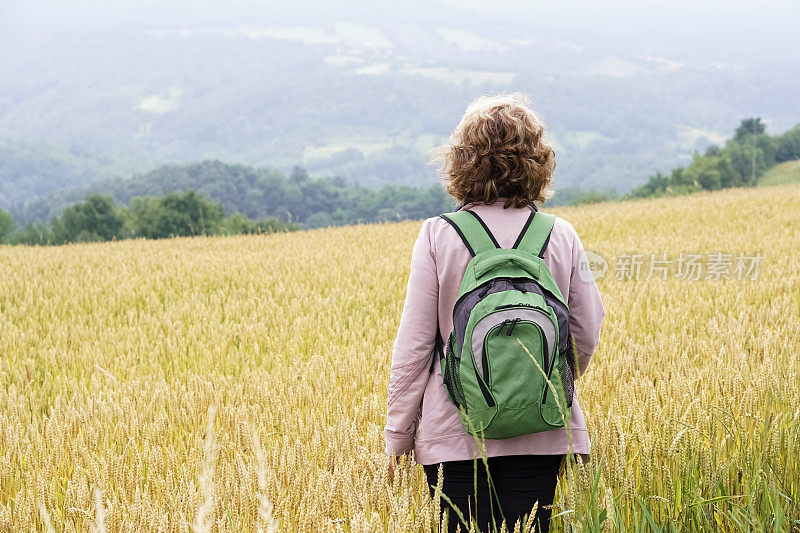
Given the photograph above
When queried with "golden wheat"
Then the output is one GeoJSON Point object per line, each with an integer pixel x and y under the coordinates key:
{"type": "Point", "coordinates": [141, 379]}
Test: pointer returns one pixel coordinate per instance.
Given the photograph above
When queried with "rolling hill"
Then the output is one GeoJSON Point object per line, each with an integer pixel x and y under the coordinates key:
{"type": "Point", "coordinates": [782, 173]}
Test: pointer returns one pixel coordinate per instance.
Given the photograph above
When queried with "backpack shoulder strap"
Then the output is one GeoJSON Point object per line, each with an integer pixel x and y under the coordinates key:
{"type": "Point", "coordinates": [535, 234]}
{"type": "Point", "coordinates": [472, 230]}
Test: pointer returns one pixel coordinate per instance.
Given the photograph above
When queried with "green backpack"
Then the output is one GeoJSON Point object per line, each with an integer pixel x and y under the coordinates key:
{"type": "Point", "coordinates": [508, 297]}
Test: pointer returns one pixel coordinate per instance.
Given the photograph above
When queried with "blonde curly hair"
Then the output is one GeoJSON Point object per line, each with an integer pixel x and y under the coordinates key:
{"type": "Point", "coordinates": [498, 149]}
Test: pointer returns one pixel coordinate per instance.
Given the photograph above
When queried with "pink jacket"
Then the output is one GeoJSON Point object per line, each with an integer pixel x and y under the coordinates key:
{"type": "Point", "coordinates": [420, 417]}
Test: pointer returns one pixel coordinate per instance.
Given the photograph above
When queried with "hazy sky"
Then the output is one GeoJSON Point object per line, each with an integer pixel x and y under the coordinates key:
{"type": "Point", "coordinates": [731, 27]}
{"type": "Point", "coordinates": [780, 13]}
{"type": "Point", "coordinates": [731, 31]}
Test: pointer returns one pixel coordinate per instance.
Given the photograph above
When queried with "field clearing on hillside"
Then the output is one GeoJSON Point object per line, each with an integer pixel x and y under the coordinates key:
{"type": "Point", "coordinates": [228, 382]}
{"type": "Point", "coordinates": [781, 174]}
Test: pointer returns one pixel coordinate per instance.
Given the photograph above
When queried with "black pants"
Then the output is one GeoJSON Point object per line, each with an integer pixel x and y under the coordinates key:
{"type": "Point", "coordinates": [517, 482]}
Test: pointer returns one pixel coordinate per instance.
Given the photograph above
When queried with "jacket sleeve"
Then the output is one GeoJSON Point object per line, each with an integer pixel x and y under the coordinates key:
{"type": "Point", "coordinates": [413, 346]}
{"type": "Point", "coordinates": [586, 310]}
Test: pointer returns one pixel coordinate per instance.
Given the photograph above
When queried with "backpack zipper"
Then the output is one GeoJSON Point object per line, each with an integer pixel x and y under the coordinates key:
{"type": "Point", "coordinates": [511, 327]}
{"type": "Point", "coordinates": [485, 391]}
{"type": "Point", "coordinates": [485, 286]}
{"type": "Point", "coordinates": [549, 370]}
{"type": "Point", "coordinates": [511, 306]}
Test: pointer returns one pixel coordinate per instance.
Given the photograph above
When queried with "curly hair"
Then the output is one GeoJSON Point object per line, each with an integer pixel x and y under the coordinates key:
{"type": "Point", "coordinates": [498, 150]}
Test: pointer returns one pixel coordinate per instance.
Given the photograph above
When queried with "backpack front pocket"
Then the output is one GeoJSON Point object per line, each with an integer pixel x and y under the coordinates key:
{"type": "Point", "coordinates": [516, 366]}
{"type": "Point", "coordinates": [513, 348]}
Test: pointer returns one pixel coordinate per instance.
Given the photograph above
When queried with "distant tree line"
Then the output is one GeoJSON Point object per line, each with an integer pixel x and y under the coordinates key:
{"type": "Point", "coordinates": [579, 196]}
{"type": "Point", "coordinates": [172, 215]}
{"type": "Point", "coordinates": [258, 193]}
{"type": "Point", "coordinates": [186, 200]}
{"type": "Point", "coordinates": [739, 163]}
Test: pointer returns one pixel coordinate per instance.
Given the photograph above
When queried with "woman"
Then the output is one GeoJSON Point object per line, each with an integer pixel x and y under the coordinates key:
{"type": "Point", "coordinates": [496, 165]}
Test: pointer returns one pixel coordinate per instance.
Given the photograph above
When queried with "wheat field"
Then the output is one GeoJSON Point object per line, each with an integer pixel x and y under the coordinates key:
{"type": "Point", "coordinates": [239, 383]}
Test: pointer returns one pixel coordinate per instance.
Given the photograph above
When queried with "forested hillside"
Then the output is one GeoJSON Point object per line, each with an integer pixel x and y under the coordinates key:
{"type": "Point", "coordinates": [30, 170]}
{"type": "Point", "coordinates": [364, 92]}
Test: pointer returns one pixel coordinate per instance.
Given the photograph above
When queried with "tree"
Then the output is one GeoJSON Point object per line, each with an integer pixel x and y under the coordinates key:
{"type": "Point", "coordinates": [703, 172]}
{"type": "Point", "coordinates": [741, 157]}
{"type": "Point", "coordinates": [178, 215]}
{"type": "Point", "coordinates": [728, 175]}
{"type": "Point", "coordinates": [748, 128]}
{"type": "Point", "coordinates": [95, 219]}
{"type": "Point", "coordinates": [654, 186]}
{"type": "Point", "coordinates": [593, 196]}
{"type": "Point", "coordinates": [299, 175]}
{"type": "Point", "coordinates": [788, 145]}
{"type": "Point", "coordinates": [319, 220]}
{"type": "Point", "coordinates": [712, 173]}
{"type": "Point", "coordinates": [7, 226]}
{"type": "Point", "coordinates": [37, 233]}
{"type": "Point", "coordinates": [751, 132]}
